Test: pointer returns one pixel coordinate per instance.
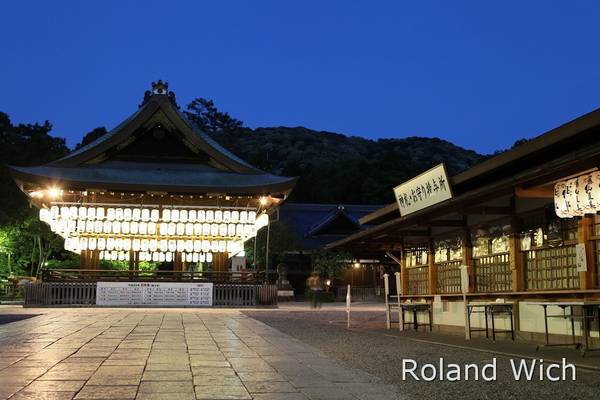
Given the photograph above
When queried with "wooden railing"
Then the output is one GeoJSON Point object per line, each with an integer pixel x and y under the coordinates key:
{"type": "Point", "coordinates": [112, 275]}
{"type": "Point", "coordinates": [84, 294]}
{"type": "Point", "coordinates": [63, 293]}
{"type": "Point", "coordinates": [10, 291]}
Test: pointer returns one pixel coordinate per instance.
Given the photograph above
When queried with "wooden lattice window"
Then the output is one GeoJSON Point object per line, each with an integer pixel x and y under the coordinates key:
{"type": "Point", "coordinates": [416, 261]}
{"type": "Point", "coordinates": [448, 277]}
{"type": "Point", "coordinates": [551, 268]}
{"type": "Point", "coordinates": [492, 273]}
{"type": "Point", "coordinates": [418, 280]}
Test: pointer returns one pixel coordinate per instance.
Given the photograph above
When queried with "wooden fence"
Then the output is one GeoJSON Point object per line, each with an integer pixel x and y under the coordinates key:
{"type": "Point", "coordinates": [84, 294]}
{"type": "Point", "coordinates": [64, 293]}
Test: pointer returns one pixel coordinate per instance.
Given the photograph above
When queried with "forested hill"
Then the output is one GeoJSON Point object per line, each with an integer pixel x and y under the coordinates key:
{"type": "Point", "coordinates": [347, 169]}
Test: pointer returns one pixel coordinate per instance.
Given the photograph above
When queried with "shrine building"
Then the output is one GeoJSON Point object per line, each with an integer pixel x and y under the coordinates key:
{"type": "Point", "coordinates": [155, 189]}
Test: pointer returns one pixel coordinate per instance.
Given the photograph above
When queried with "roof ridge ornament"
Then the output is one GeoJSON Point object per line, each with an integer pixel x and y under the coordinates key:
{"type": "Point", "coordinates": [160, 88]}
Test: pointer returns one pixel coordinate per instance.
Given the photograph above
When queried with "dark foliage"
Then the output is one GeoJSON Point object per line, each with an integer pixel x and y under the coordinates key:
{"type": "Point", "coordinates": [23, 144]}
{"type": "Point", "coordinates": [91, 136]}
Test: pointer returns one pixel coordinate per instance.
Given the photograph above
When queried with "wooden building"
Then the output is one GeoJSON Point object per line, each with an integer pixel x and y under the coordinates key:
{"type": "Point", "coordinates": [158, 189]}
{"type": "Point", "coordinates": [517, 221]}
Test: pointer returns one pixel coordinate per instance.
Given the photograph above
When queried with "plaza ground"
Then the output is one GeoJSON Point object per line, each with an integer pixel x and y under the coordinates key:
{"type": "Point", "coordinates": [287, 353]}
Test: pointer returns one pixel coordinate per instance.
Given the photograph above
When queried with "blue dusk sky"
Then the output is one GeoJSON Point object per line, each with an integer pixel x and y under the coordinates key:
{"type": "Point", "coordinates": [479, 74]}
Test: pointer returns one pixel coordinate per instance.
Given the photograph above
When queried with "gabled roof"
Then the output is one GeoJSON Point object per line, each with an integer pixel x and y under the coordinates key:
{"type": "Point", "coordinates": [310, 221]}
{"type": "Point", "coordinates": [207, 167]}
{"type": "Point", "coordinates": [337, 222]}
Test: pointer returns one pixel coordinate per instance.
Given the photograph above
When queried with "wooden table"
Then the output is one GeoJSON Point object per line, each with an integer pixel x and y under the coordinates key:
{"type": "Point", "coordinates": [491, 308]}
{"type": "Point", "coordinates": [589, 312]}
{"type": "Point", "coordinates": [416, 308]}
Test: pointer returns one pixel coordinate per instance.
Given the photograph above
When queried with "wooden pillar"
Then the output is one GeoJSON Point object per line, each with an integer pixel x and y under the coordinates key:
{"type": "Point", "coordinates": [515, 258]}
{"type": "Point", "coordinates": [432, 268]}
{"type": "Point", "coordinates": [468, 260]}
{"type": "Point", "coordinates": [584, 231]}
{"type": "Point", "coordinates": [84, 260]}
{"type": "Point", "coordinates": [403, 272]}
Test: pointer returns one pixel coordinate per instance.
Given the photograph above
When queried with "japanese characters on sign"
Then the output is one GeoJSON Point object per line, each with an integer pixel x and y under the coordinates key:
{"type": "Point", "coordinates": [577, 196]}
{"type": "Point", "coordinates": [427, 189]}
{"type": "Point", "coordinates": [154, 294]}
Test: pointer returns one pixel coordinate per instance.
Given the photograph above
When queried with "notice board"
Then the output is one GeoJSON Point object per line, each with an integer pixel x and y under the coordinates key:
{"type": "Point", "coordinates": [154, 294]}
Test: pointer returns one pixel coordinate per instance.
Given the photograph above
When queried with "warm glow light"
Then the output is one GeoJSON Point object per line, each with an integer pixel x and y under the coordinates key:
{"type": "Point", "coordinates": [356, 265]}
{"type": "Point", "coordinates": [54, 192]}
{"type": "Point", "coordinates": [264, 200]}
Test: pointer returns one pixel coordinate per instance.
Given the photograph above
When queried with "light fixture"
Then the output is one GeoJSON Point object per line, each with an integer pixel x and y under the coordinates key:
{"type": "Point", "coordinates": [54, 192]}
{"type": "Point", "coordinates": [264, 200]}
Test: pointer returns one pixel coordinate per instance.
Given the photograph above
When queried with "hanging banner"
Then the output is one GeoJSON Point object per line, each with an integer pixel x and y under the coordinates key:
{"type": "Point", "coordinates": [422, 191]}
{"type": "Point", "coordinates": [577, 196]}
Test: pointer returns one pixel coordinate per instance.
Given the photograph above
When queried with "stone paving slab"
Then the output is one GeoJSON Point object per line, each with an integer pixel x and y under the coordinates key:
{"type": "Point", "coordinates": [128, 354]}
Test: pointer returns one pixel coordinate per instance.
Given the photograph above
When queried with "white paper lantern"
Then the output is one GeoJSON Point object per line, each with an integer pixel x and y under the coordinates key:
{"type": "Point", "coordinates": [143, 228]}
{"type": "Point", "coordinates": [183, 216]}
{"type": "Point", "coordinates": [134, 227]}
{"type": "Point", "coordinates": [91, 213]}
{"type": "Point", "coordinates": [154, 215]}
{"type": "Point", "coordinates": [145, 215]}
{"type": "Point", "coordinates": [192, 216]}
{"type": "Point", "coordinates": [163, 229]}
{"type": "Point", "coordinates": [82, 214]}
{"type": "Point", "coordinates": [127, 214]}
{"type": "Point", "coordinates": [136, 214]}
{"type": "Point", "coordinates": [180, 229]}
{"type": "Point", "coordinates": [151, 228]}
{"type": "Point", "coordinates": [235, 216]}
{"type": "Point", "coordinates": [201, 216]}
{"type": "Point", "coordinates": [175, 215]}
{"type": "Point", "coordinates": [110, 214]}
{"type": "Point", "coordinates": [166, 214]}
{"type": "Point", "coordinates": [209, 257]}
{"type": "Point", "coordinates": [101, 243]}
{"type": "Point", "coordinates": [210, 216]}
{"type": "Point", "coordinates": [172, 228]}
{"type": "Point", "coordinates": [119, 214]}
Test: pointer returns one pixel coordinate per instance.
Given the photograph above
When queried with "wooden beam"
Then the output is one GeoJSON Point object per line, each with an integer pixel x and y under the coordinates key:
{"type": "Point", "coordinates": [539, 192]}
{"type": "Point", "coordinates": [447, 222]}
{"type": "Point", "coordinates": [490, 210]}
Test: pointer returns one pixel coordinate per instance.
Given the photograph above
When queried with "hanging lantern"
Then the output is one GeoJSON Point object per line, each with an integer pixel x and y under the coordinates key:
{"type": "Point", "coordinates": [183, 216]}
{"type": "Point", "coordinates": [166, 214]}
{"type": "Point", "coordinates": [154, 215]}
{"type": "Point", "coordinates": [127, 214]}
{"type": "Point", "coordinates": [192, 216]}
{"type": "Point", "coordinates": [119, 214]}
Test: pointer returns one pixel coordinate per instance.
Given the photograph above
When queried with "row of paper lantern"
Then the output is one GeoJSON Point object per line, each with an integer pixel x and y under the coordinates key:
{"type": "Point", "coordinates": [148, 214]}
{"type": "Point", "coordinates": [577, 196]}
{"type": "Point", "coordinates": [155, 256]}
{"type": "Point", "coordinates": [66, 227]}
{"type": "Point", "coordinates": [78, 244]}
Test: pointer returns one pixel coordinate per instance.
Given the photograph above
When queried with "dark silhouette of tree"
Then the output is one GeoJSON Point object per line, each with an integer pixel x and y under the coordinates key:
{"type": "Point", "coordinates": [91, 136]}
{"type": "Point", "coordinates": [204, 114]}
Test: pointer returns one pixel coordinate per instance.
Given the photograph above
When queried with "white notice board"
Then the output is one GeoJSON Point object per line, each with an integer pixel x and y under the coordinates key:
{"type": "Point", "coordinates": [154, 294]}
{"type": "Point", "coordinates": [422, 191]}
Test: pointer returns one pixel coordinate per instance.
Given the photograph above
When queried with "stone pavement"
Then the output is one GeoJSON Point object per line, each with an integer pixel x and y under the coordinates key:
{"type": "Point", "coordinates": [98, 353]}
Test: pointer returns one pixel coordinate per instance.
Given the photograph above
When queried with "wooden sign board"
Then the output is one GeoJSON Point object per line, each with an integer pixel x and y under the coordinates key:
{"type": "Point", "coordinates": [422, 191]}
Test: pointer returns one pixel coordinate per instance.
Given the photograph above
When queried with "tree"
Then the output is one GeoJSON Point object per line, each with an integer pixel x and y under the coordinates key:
{"type": "Point", "coordinates": [282, 238]}
{"type": "Point", "coordinates": [23, 144]}
{"type": "Point", "coordinates": [330, 263]}
{"type": "Point", "coordinates": [204, 114]}
{"type": "Point", "coordinates": [91, 136]}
